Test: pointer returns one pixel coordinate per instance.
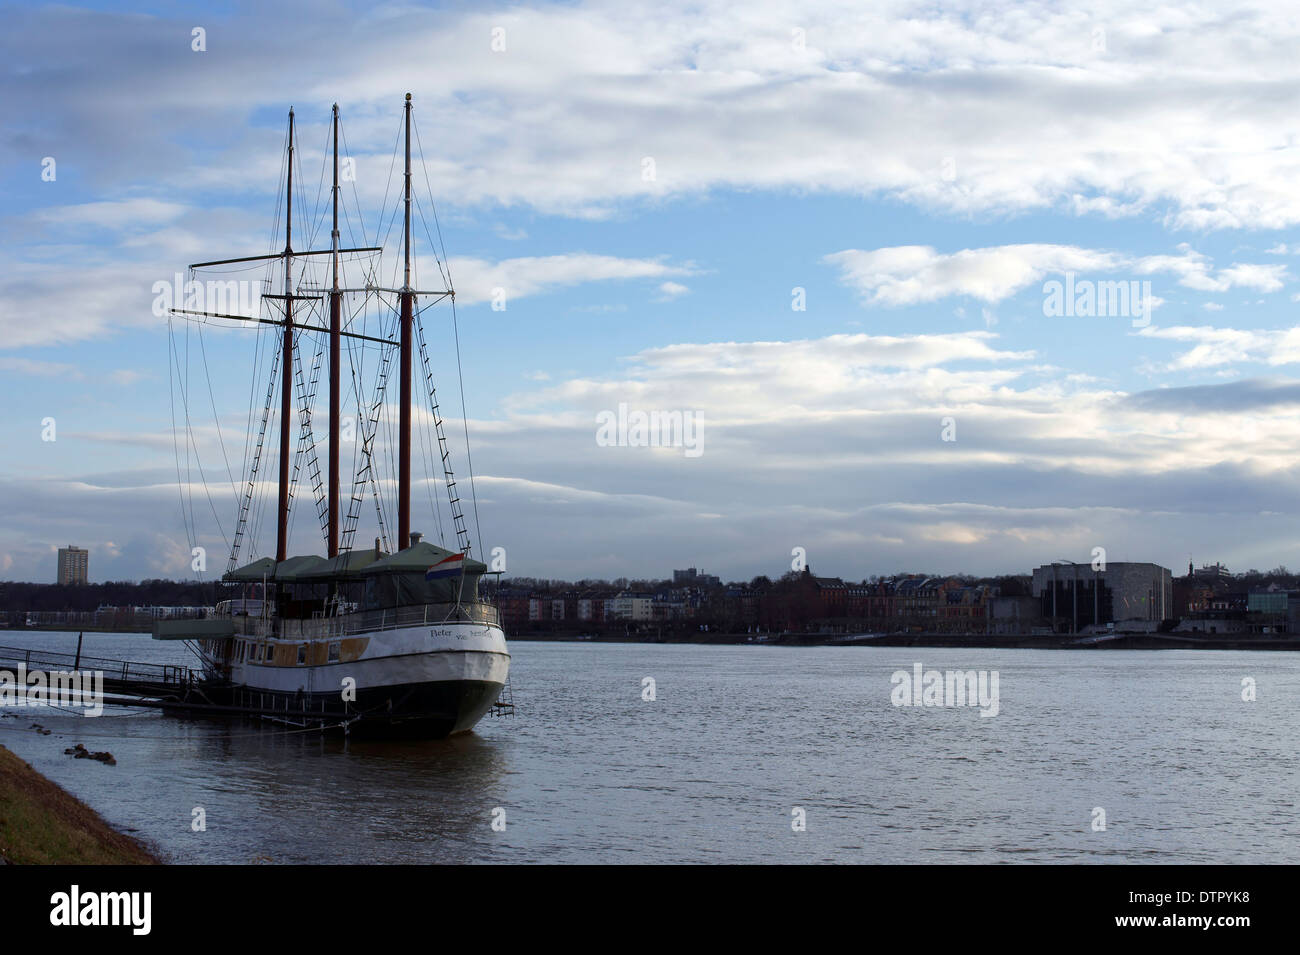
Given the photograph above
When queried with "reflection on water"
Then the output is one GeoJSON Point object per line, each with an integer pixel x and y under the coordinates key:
{"type": "Point", "coordinates": [711, 769]}
{"type": "Point", "coordinates": [268, 793]}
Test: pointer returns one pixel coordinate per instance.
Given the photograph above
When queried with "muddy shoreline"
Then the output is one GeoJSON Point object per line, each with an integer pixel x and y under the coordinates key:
{"type": "Point", "coordinates": [43, 824]}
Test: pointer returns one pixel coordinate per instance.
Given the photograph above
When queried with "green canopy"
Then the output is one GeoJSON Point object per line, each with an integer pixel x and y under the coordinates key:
{"type": "Point", "coordinates": [398, 579]}
{"type": "Point", "coordinates": [297, 569]}
{"type": "Point", "coordinates": [417, 559]}
{"type": "Point", "coordinates": [343, 566]}
{"type": "Point", "coordinates": [392, 580]}
{"type": "Point", "coordinates": [261, 569]}
{"type": "Point", "coordinates": [292, 570]}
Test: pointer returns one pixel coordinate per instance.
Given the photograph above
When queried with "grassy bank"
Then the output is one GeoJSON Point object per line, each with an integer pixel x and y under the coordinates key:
{"type": "Point", "coordinates": [40, 824]}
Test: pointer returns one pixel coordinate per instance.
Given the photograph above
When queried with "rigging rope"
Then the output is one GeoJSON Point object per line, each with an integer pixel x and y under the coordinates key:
{"type": "Point", "coordinates": [469, 461]}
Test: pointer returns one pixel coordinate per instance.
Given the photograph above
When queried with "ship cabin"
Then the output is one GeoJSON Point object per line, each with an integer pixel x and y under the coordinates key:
{"type": "Point", "coordinates": [312, 598]}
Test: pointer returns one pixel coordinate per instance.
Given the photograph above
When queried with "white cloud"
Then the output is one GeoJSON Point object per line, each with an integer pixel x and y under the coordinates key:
{"type": "Point", "coordinates": [848, 432]}
{"type": "Point", "coordinates": [1214, 347]}
{"type": "Point", "coordinates": [910, 275]}
{"type": "Point", "coordinates": [91, 302]}
{"type": "Point", "coordinates": [875, 103]}
{"type": "Point", "coordinates": [1263, 278]}
{"type": "Point", "coordinates": [671, 290]}
{"type": "Point", "coordinates": [475, 279]}
{"type": "Point", "coordinates": [43, 369]}
{"type": "Point", "coordinates": [907, 275]}
{"type": "Point", "coordinates": [1031, 117]}
{"type": "Point", "coordinates": [116, 215]}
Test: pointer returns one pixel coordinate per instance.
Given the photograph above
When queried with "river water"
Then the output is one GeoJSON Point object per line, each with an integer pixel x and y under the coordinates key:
{"type": "Point", "coordinates": [716, 767]}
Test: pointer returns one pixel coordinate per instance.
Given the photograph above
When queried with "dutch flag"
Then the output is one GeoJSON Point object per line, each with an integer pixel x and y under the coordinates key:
{"type": "Point", "coordinates": [447, 567]}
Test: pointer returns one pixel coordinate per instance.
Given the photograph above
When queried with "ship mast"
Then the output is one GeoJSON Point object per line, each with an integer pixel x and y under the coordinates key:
{"type": "Point", "coordinates": [286, 368]}
{"type": "Point", "coordinates": [336, 308]}
{"type": "Point", "coordinates": [404, 428]}
{"type": "Point", "coordinates": [287, 326]}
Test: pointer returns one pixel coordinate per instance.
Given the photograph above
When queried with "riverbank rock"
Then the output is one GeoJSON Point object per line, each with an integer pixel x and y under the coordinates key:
{"type": "Point", "coordinates": [80, 752]}
{"type": "Point", "coordinates": [41, 824]}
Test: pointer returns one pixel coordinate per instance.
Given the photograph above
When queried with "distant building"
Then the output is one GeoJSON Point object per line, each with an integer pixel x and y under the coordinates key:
{"type": "Point", "coordinates": [1076, 596]}
{"type": "Point", "coordinates": [74, 565]}
{"type": "Point", "coordinates": [1229, 613]}
{"type": "Point", "coordinates": [1211, 572]}
{"type": "Point", "coordinates": [663, 608]}
{"type": "Point", "coordinates": [965, 608]}
{"type": "Point", "coordinates": [917, 598]}
{"type": "Point", "coordinates": [834, 595]}
{"type": "Point", "coordinates": [1015, 614]}
{"type": "Point", "coordinates": [169, 613]}
{"type": "Point", "coordinates": [1267, 601]}
{"type": "Point", "coordinates": [1293, 613]}
{"type": "Point", "coordinates": [690, 577]}
{"type": "Point", "coordinates": [592, 608]}
{"type": "Point", "coordinates": [514, 606]}
{"type": "Point", "coordinates": [630, 606]}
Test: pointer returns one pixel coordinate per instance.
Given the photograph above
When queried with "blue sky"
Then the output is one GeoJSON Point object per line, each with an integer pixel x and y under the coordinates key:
{"type": "Point", "coordinates": [920, 171]}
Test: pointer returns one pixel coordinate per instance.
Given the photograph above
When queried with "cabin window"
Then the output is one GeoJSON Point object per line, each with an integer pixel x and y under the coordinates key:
{"type": "Point", "coordinates": [270, 653]}
{"type": "Point", "coordinates": [334, 653]}
{"type": "Point", "coordinates": [302, 654]}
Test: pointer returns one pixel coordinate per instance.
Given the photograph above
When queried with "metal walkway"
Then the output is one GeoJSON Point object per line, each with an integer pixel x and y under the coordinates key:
{"type": "Point", "coordinates": [121, 677]}
{"type": "Point", "coordinates": [163, 686]}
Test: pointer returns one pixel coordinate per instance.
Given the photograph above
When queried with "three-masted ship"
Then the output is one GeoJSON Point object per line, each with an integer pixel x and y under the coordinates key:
{"type": "Point", "coordinates": [390, 642]}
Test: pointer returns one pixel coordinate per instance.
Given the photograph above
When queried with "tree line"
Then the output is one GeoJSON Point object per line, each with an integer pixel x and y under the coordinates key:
{"type": "Point", "coordinates": [16, 596]}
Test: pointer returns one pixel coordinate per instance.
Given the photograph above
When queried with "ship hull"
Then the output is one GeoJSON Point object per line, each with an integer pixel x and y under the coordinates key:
{"type": "Point", "coordinates": [411, 682]}
{"type": "Point", "coordinates": [401, 711]}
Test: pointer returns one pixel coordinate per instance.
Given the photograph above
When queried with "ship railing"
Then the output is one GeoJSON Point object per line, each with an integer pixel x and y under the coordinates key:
{"type": "Point", "coordinates": [346, 625]}
{"type": "Point", "coordinates": [124, 670]}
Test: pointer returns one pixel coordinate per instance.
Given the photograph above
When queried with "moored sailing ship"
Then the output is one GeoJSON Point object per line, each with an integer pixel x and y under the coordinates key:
{"type": "Point", "coordinates": [384, 642]}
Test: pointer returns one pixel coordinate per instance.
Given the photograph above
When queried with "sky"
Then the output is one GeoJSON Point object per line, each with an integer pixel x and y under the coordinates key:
{"type": "Point", "coordinates": [835, 238]}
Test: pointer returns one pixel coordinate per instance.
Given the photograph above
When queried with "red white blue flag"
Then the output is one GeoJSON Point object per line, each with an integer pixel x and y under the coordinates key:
{"type": "Point", "coordinates": [447, 567]}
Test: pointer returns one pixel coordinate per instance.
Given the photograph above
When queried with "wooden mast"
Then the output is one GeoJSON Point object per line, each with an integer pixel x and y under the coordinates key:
{"type": "Point", "coordinates": [404, 429]}
{"type": "Point", "coordinates": [336, 309]}
{"type": "Point", "coordinates": [286, 362]}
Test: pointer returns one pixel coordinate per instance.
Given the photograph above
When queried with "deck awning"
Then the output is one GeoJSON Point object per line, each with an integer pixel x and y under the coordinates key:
{"type": "Point", "coordinates": [261, 569]}
{"type": "Point", "coordinates": [404, 579]}
{"type": "Point", "coordinates": [292, 570]}
{"type": "Point", "coordinates": [344, 566]}
{"type": "Point", "coordinates": [417, 559]}
{"type": "Point", "coordinates": [298, 569]}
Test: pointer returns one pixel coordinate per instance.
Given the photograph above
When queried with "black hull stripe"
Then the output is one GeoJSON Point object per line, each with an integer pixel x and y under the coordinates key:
{"type": "Point", "coordinates": [411, 710]}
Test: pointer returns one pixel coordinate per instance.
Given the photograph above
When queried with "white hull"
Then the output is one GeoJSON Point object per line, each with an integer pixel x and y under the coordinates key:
{"type": "Point", "coordinates": [397, 657]}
